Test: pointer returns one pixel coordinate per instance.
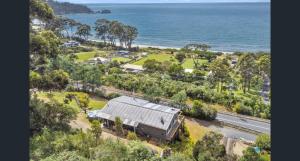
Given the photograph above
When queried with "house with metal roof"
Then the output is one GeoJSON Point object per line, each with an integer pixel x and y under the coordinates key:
{"type": "Point", "coordinates": [143, 117]}
{"type": "Point", "coordinates": [132, 68]}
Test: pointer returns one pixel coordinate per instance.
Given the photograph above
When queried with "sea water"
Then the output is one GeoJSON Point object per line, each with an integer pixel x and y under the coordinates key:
{"type": "Point", "coordinates": [223, 26]}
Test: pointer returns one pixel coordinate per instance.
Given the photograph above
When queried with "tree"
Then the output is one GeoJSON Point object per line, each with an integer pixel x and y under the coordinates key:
{"type": "Point", "coordinates": [264, 65]}
{"type": "Point", "coordinates": [130, 33]}
{"type": "Point", "coordinates": [220, 71]}
{"type": "Point", "coordinates": [250, 155]}
{"type": "Point", "coordinates": [59, 79]}
{"type": "Point", "coordinates": [247, 68]}
{"type": "Point", "coordinates": [41, 10]}
{"type": "Point", "coordinates": [179, 99]}
{"type": "Point", "coordinates": [90, 75]}
{"type": "Point", "coordinates": [138, 152]}
{"type": "Point", "coordinates": [180, 57]}
{"type": "Point", "coordinates": [72, 23]}
{"type": "Point", "coordinates": [96, 130]}
{"type": "Point", "coordinates": [196, 50]}
{"type": "Point", "coordinates": [202, 111]}
{"type": "Point", "coordinates": [45, 43]}
{"type": "Point", "coordinates": [209, 148]}
{"type": "Point", "coordinates": [153, 93]}
{"type": "Point", "coordinates": [152, 65]}
{"type": "Point", "coordinates": [176, 71]}
{"type": "Point", "coordinates": [264, 142]}
{"type": "Point", "coordinates": [115, 31]}
{"type": "Point", "coordinates": [102, 28]}
{"type": "Point", "coordinates": [83, 101]}
{"type": "Point", "coordinates": [201, 47]}
{"type": "Point", "coordinates": [119, 126]}
{"type": "Point", "coordinates": [52, 115]}
{"type": "Point", "coordinates": [84, 31]}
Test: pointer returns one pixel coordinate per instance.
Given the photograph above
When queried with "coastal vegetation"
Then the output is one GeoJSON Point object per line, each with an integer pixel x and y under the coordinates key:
{"type": "Point", "coordinates": [64, 86]}
{"type": "Point", "coordinates": [61, 8]}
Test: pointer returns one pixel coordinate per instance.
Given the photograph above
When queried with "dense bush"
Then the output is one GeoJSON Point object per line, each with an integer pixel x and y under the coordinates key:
{"type": "Point", "coordinates": [201, 111]}
{"type": "Point", "coordinates": [243, 109]}
{"type": "Point", "coordinates": [209, 148]}
{"type": "Point", "coordinates": [131, 136]}
{"type": "Point", "coordinates": [52, 115]}
{"type": "Point", "coordinates": [264, 142]}
{"type": "Point", "coordinates": [113, 95]}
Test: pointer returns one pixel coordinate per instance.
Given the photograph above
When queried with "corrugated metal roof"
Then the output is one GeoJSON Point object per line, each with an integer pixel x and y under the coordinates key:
{"type": "Point", "coordinates": [133, 111]}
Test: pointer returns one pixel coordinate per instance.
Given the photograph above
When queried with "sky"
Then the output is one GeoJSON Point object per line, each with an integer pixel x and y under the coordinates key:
{"type": "Point", "coordinates": [157, 1]}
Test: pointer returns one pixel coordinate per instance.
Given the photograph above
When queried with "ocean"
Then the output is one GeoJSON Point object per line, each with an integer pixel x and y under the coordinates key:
{"type": "Point", "coordinates": [224, 26]}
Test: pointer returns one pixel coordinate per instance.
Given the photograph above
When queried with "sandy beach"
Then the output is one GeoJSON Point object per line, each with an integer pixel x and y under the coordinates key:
{"type": "Point", "coordinates": [161, 47]}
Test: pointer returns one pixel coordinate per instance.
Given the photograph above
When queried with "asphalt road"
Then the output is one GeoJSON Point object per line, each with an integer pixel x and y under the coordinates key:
{"type": "Point", "coordinates": [233, 133]}
{"type": "Point", "coordinates": [259, 126]}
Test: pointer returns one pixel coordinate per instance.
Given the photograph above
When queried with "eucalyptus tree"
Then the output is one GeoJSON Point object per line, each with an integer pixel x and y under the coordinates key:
{"type": "Point", "coordinates": [72, 23]}
{"type": "Point", "coordinates": [115, 32]}
{"type": "Point", "coordinates": [84, 31]}
{"type": "Point", "coordinates": [130, 35]}
{"type": "Point", "coordinates": [102, 27]}
{"type": "Point", "coordinates": [264, 65]}
{"type": "Point", "coordinates": [220, 71]}
{"type": "Point", "coordinates": [247, 69]}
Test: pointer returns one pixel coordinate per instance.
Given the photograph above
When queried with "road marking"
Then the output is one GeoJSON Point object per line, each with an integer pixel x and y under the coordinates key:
{"type": "Point", "coordinates": [243, 123]}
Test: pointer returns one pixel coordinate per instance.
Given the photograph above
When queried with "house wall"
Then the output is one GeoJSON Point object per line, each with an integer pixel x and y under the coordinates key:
{"type": "Point", "coordinates": [151, 131]}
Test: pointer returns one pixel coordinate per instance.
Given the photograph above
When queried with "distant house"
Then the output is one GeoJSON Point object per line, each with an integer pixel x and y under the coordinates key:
{"type": "Point", "coordinates": [98, 60]}
{"type": "Point", "coordinates": [234, 61]}
{"type": "Point", "coordinates": [188, 70]}
{"type": "Point", "coordinates": [144, 53]}
{"type": "Point", "coordinates": [123, 53]}
{"type": "Point", "coordinates": [133, 68]}
{"type": "Point", "coordinates": [143, 117]}
{"type": "Point", "coordinates": [71, 44]}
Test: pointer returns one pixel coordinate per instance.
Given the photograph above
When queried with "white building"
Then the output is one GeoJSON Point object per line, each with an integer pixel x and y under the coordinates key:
{"type": "Point", "coordinates": [98, 60]}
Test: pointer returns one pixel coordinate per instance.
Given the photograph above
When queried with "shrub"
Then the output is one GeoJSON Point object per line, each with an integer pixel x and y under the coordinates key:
{"type": "Point", "coordinates": [113, 95]}
{"type": "Point", "coordinates": [199, 110]}
{"type": "Point", "coordinates": [264, 142]}
{"type": "Point", "coordinates": [70, 88]}
{"type": "Point", "coordinates": [99, 93]}
{"type": "Point", "coordinates": [132, 136]}
{"type": "Point", "coordinates": [245, 110]}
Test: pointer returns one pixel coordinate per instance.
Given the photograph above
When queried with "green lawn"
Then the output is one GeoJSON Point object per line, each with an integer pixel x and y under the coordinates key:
{"type": "Point", "coordinates": [189, 64]}
{"type": "Point", "coordinates": [95, 102]}
{"type": "Point", "coordinates": [84, 56]}
{"type": "Point", "coordinates": [159, 57]}
{"type": "Point", "coordinates": [121, 59]}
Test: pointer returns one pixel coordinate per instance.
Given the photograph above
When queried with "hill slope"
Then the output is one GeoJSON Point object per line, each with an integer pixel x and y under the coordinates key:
{"type": "Point", "coordinates": [60, 8]}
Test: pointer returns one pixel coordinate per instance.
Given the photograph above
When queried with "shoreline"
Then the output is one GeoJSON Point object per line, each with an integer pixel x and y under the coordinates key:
{"type": "Point", "coordinates": [162, 47]}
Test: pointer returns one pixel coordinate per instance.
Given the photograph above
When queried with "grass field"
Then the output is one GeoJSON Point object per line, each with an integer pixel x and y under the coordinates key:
{"type": "Point", "coordinates": [189, 64]}
{"type": "Point", "coordinates": [95, 102]}
{"type": "Point", "coordinates": [121, 59]}
{"type": "Point", "coordinates": [197, 131]}
{"type": "Point", "coordinates": [84, 56]}
{"type": "Point", "coordinates": [159, 57]}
